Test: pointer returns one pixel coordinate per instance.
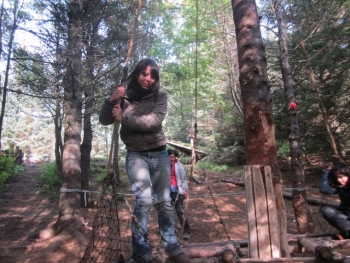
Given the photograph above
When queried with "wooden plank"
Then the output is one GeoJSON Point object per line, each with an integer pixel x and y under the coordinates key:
{"type": "Point", "coordinates": [280, 260]}
{"type": "Point", "coordinates": [272, 215]}
{"type": "Point", "coordinates": [291, 238]}
{"type": "Point", "coordinates": [185, 149]}
{"type": "Point", "coordinates": [263, 232]}
{"type": "Point", "coordinates": [252, 236]}
{"type": "Point", "coordinates": [333, 244]}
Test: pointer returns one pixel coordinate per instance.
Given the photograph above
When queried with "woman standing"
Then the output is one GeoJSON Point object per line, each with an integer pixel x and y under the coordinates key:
{"type": "Point", "coordinates": [143, 108]}
{"type": "Point", "coordinates": [179, 190]}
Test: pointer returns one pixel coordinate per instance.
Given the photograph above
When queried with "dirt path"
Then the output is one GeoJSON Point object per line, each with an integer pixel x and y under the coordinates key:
{"type": "Point", "coordinates": [25, 211]}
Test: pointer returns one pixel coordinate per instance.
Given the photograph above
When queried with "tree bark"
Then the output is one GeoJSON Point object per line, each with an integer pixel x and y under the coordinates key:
{"type": "Point", "coordinates": [69, 219]}
{"type": "Point", "coordinates": [85, 149]}
{"type": "Point", "coordinates": [91, 39]}
{"type": "Point", "coordinates": [58, 112]}
{"type": "Point", "coordinates": [301, 207]}
{"type": "Point", "coordinates": [259, 128]}
{"type": "Point", "coordinates": [8, 63]}
{"type": "Point", "coordinates": [58, 134]}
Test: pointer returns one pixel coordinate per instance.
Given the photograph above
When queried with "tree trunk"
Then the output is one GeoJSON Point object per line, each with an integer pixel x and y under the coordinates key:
{"type": "Point", "coordinates": [259, 128]}
{"type": "Point", "coordinates": [7, 71]}
{"type": "Point", "coordinates": [58, 136]}
{"type": "Point", "coordinates": [69, 219]}
{"type": "Point", "coordinates": [301, 207]}
{"type": "Point", "coordinates": [85, 149]}
{"type": "Point", "coordinates": [91, 42]}
{"type": "Point", "coordinates": [58, 108]}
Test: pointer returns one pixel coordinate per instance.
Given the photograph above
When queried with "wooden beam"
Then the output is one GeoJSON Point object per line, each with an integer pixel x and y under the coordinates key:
{"type": "Point", "coordinates": [214, 249]}
{"type": "Point", "coordinates": [315, 201]}
{"type": "Point", "coordinates": [186, 150]}
{"type": "Point", "coordinates": [333, 244]}
{"type": "Point", "coordinates": [280, 260]}
{"type": "Point", "coordinates": [244, 242]}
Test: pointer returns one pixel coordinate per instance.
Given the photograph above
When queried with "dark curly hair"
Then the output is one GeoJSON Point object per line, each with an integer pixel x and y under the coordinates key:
{"type": "Point", "coordinates": [339, 168]}
{"type": "Point", "coordinates": [171, 151]}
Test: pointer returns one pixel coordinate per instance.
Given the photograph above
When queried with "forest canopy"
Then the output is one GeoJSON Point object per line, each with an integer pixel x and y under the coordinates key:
{"type": "Point", "coordinates": [35, 48]}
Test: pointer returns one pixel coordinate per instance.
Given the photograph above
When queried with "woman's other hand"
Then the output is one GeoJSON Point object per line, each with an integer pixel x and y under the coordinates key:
{"type": "Point", "coordinates": [117, 94]}
{"type": "Point", "coordinates": [117, 113]}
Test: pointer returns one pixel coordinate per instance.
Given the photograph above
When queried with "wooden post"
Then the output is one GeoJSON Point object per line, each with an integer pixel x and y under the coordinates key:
{"type": "Point", "coordinates": [263, 226]}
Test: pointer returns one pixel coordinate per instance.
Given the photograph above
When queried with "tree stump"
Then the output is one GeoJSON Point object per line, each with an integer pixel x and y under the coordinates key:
{"type": "Point", "coordinates": [263, 226]}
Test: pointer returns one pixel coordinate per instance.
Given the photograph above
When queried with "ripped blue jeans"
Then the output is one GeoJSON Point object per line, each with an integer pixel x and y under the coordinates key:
{"type": "Point", "coordinates": [146, 171]}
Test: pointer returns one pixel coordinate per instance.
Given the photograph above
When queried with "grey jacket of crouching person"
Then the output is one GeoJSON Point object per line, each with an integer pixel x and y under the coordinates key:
{"type": "Point", "coordinates": [141, 126]}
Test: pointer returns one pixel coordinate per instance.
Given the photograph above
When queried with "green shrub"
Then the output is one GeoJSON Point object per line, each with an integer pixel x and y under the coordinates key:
{"type": "Point", "coordinates": [8, 169]}
{"type": "Point", "coordinates": [98, 172]}
{"type": "Point", "coordinates": [218, 168]}
{"type": "Point", "coordinates": [49, 179]}
{"type": "Point", "coordinates": [283, 150]}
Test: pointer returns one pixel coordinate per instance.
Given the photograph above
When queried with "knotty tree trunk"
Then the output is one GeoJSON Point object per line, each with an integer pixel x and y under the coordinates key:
{"type": "Point", "coordinates": [58, 133]}
{"type": "Point", "coordinates": [259, 127]}
{"type": "Point", "coordinates": [58, 120]}
{"type": "Point", "coordinates": [301, 207]}
{"type": "Point", "coordinates": [93, 64]}
{"type": "Point", "coordinates": [70, 219]}
{"type": "Point", "coordinates": [15, 13]}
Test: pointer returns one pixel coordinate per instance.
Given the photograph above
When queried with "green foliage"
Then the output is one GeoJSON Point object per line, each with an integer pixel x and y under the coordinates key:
{"type": "Point", "coordinates": [98, 172]}
{"type": "Point", "coordinates": [218, 168]}
{"type": "Point", "coordinates": [49, 179]}
{"type": "Point", "coordinates": [323, 25]}
{"type": "Point", "coordinates": [327, 49]}
{"type": "Point", "coordinates": [8, 169]}
{"type": "Point", "coordinates": [283, 150]}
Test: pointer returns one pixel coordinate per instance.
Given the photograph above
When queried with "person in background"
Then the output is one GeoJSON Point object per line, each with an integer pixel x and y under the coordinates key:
{"type": "Point", "coordinates": [141, 112]}
{"type": "Point", "coordinates": [179, 190]}
{"type": "Point", "coordinates": [336, 181]}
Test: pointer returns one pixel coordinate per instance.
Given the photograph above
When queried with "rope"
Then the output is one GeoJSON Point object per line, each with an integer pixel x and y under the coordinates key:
{"type": "Point", "coordinates": [110, 168]}
{"type": "Point", "coordinates": [77, 191]}
{"type": "Point", "coordinates": [62, 190]}
{"type": "Point", "coordinates": [217, 209]}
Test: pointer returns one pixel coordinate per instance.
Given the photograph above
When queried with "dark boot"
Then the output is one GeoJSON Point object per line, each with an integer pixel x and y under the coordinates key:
{"type": "Point", "coordinates": [179, 258]}
{"type": "Point", "coordinates": [149, 258]}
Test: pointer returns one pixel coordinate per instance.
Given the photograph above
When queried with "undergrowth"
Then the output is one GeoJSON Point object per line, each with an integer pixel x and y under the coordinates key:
{"type": "Point", "coordinates": [8, 169]}
{"type": "Point", "coordinates": [49, 180]}
{"type": "Point", "coordinates": [222, 168]}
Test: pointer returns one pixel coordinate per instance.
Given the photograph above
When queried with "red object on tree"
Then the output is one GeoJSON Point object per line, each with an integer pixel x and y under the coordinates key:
{"type": "Point", "coordinates": [292, 106]}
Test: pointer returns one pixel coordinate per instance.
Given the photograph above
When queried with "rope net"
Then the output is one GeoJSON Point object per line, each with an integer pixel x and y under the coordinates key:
{"type": "Point", "coordinates": [107, 240]}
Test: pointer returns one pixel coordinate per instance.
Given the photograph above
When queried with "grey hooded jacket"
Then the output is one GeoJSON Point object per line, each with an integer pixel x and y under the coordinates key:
{"type": "Point", "coordinates": [181, 178]}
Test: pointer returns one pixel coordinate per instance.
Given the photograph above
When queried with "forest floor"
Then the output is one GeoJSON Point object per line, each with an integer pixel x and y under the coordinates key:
{"type": "Point", "coordinates": [25, 211]}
